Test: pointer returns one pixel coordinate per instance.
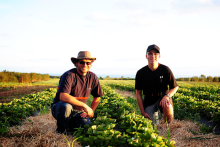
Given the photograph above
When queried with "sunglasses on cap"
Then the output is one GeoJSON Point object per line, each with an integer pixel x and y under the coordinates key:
{"type": "Point", "coordinates": [83, 63]}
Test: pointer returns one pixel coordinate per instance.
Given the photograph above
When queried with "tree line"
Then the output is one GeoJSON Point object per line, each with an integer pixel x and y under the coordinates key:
{"type": "Point", "coordinates": [17, 77]}
{"type": "Point", "coordinates": [202, 78]}
{"type": "Point", "coordinates": [54, 77]}
{"type": "Point", "coordinates": [121, 78]}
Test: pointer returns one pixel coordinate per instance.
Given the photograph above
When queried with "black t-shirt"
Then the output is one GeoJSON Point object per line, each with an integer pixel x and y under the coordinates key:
{"type": "Point", "coordinates": [154, 83]}
{"type": "Point", "coordinates": [76, 85]}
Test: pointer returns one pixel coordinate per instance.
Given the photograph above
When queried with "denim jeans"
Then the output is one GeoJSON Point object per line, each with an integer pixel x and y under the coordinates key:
{"type": "Point", "coordinates": [67, 118]}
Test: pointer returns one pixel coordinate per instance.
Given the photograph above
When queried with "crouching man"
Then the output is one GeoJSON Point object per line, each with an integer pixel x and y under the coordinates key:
{"type": "Point", "coordinates": [69, 107]}
{"type": "Point", "coordinates": [153, 80]}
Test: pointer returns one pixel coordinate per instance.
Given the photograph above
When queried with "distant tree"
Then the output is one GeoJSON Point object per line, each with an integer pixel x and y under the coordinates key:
{"type": "Point", "coordinates": [189, 79]}
{"type": "Point", "coordinates": [215, 79]}
{"type": "Point", "coordinates": [181, 79]}
{"type": "Point", "coordinates": [195, 79]}
{"type": "Point", "coordinates": [6, 76]}
{"type": "Point", "coordinates": [44, 77]}
{"type": "Point", "coordinates": [210, 78]}
{"type": "Point", "coordinates": [39, 77]}
{"type": "Point", "coordinates": [33, 77]}
{"type": "Point", "coordinates": [122, 77]}
{"type": "Point", "coordinates": [55, 77]}
{"type": "Point", "coordinates": [3, 77]}
{"type": "Point", "coordinates": [202, 78]}
{"type": "Point", "coordinates": [106, 78]}
{"type": "Point", "coordinates": [23, 78]}
{"type": "Point", "coordinates": [12, 78]}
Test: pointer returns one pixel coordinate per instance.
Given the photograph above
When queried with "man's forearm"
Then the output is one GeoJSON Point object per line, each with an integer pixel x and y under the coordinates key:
{"type": "Point", "coordinates": [173, 91]}
{"type": "Point", "coordinates": [65, 97]}
{"type": "Point", "coordinates": [95, 103]}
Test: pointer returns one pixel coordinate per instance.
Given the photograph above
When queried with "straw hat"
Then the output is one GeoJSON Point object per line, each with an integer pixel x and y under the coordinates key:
{"type": "Point", "coordinates": [82, 55]}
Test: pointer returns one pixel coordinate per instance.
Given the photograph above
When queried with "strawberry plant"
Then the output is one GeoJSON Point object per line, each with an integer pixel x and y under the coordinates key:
{"type": "Point", "coordinates": [116, 124]}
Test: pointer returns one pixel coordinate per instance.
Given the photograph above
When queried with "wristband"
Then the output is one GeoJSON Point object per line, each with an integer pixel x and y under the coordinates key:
{"type": "Point", "coordinates": [168, 95]}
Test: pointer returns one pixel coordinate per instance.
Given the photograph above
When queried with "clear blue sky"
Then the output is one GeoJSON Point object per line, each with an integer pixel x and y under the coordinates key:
{"type": "Point", "coordinates": [42, 35]}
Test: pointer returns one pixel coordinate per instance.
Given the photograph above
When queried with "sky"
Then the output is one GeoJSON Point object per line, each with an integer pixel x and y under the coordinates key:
{"type": "Point", "coordinates": [41, 36]}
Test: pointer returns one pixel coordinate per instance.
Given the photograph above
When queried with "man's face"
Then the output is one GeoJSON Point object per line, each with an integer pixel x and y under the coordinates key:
{"type": "Point", "coordinates": [153, 56]}
{"type": "Point", "coordinates": [83, 66]}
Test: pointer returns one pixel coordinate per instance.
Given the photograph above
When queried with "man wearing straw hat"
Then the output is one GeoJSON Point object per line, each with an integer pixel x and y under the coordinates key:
{"type": "Point", "coordinates": [153, 80]}
{"type": "Point", "coordinates": [69, 107]}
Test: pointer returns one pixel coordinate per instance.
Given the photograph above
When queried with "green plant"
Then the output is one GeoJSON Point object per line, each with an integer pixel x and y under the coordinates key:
{"type": "Point", "coordinates": [4, 126]}
{"type": "Point", "coordinates": [30, 121]}
{"type": "Point", "coordinates": [79, 131]}
{"type": "Point", "coordinates": [206, 129]}
{"type": "Point", "coordinates": [72, 141]}
{"type": "Point", "coordinates": [44, 110]}
{"type": "Point", "coordinates": [167, 131]}
{"type": "Point", "coordinates": [194, 132]}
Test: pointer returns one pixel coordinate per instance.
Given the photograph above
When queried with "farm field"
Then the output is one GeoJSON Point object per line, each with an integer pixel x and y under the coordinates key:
{"type": "Point", "coordinates": [116, 122]}
{"type": "Point", "coordinates": [191, 100]}
{"type": "Point", "coordinates": [9, 91]}
{"type": "Point", "coordinates": [107, 82]}
{"type": "Point", "coordinates": [54, 81]}
{"type": "Point", "coordinates": [103, 126]}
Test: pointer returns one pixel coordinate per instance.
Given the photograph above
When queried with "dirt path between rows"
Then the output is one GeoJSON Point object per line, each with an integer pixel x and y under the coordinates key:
{"type": "Point", "coordinates": [126, 93]}
{"type": "Point", "coordinates": [40, 131]}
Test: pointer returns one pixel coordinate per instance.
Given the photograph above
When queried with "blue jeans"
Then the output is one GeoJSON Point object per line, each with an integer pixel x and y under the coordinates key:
{"type": "Point", "coordinates": [67, 118]}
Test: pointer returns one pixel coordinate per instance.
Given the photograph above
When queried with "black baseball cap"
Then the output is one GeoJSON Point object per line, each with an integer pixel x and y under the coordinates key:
{"type": "Point", "coordinates": [153, 47]}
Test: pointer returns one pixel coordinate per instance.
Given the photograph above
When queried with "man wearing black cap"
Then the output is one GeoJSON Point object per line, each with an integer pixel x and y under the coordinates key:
{"type": "Point", "coordinates": [153, 80]}
{"type": "Point", "coordinates": [69, 107]}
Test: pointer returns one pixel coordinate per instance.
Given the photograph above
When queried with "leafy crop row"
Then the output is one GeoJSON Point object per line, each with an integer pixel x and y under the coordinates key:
{"type": "Point", "coordinates": [200, 99]}
{"type": "Point", "coordinates": [127, 87]}
{"type": "Point", "coordinates": [116, 121]}
{"type": "Point", "coordinates": [116, 124]}
{"type": "Point", "coordinates": [18, 109]}
{"type": "Point", "coordinates": [193, 105]}
{"type": "Point", "coordinates": [191, 99]}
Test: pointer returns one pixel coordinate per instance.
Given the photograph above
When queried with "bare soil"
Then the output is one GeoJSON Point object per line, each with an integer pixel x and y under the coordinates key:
{"type": "Point", "coordinates": [7, 96]}
{"type": "Point", "coordinates": [126, 93]}
{"type": "Point", "coordinates": [36, 131]}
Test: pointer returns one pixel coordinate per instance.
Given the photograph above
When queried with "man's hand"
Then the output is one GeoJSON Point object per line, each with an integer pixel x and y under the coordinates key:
{"type": "Point", "coordinates": [165, 102]}
{"type": "Point", "coordinates": [88, 112]}
{"type": "Point", "coordinates": [84, 115]}
{"type": "Point", "coordinates": [146, 115]}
